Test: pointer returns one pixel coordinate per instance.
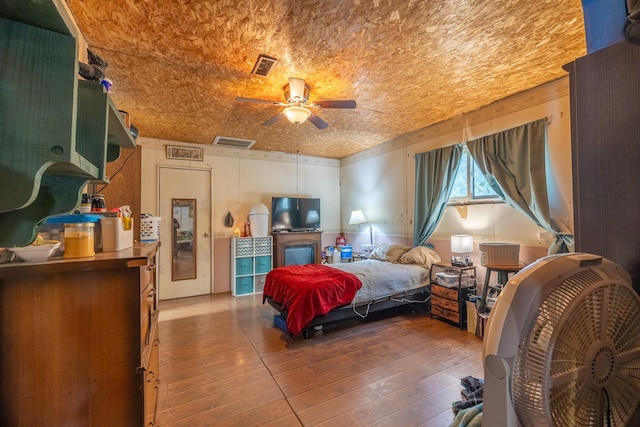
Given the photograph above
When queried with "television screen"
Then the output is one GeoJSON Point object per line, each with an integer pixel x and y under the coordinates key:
{"type": "Point", "coordinates": [293, 213]}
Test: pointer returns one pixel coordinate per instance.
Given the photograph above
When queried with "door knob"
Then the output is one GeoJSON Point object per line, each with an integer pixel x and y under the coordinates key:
{"type": "Point", "coordinates": [206, 234]}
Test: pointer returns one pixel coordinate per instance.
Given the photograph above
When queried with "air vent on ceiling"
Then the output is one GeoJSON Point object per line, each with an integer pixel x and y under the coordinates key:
{"type": "Point", "coordinates": [264, 64]}
{"type": "Point", "coordinates": [225, 141]}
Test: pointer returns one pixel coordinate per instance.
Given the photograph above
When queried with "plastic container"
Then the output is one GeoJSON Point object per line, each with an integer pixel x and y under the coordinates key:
{"type": "Point", "coordinates": [259, 219]}
{"type": "Point", "coordinates": [79, 240]}
{"type": "Point", "coordinates": [53, 226]}
{"type": "Point", "coordinates": [116, 236]}
{"type": "Point", "coordinates": [149, 228]}
{"type": "Point", "coordinates": [336, 255]}
{"type": "Point", "coordinates": [453, 280]}
{"type": "Point", "coordinates": [346, 253]}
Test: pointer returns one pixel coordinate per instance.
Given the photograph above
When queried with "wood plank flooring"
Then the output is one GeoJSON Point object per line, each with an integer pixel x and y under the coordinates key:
{"type": "Point", "coordinates": [223, 363]}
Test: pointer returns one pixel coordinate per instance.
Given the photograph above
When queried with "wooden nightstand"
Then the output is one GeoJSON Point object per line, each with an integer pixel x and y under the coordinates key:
{"type": "Point", "coordinates": [449, 295]}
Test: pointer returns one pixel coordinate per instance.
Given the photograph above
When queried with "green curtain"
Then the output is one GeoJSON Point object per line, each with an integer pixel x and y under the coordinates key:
{"type": "Point", "coordinates": [513, 162]}
{"type": "Point", "coordinates": [435, 173]}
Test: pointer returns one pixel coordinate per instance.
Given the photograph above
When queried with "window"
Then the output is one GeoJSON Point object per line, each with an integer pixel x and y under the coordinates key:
{"type": "Point", "coordinates": [469, 183]}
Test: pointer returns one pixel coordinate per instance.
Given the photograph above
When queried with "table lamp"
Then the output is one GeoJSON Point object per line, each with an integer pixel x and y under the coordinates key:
{"type": "Point", "coordinates": [461, 244]}
{"type": "Point", "coordinates": [357, 218]}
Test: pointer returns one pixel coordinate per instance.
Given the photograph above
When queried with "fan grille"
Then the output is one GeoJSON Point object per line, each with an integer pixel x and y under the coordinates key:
{"type": "Point", "coordinates": [582, 351]}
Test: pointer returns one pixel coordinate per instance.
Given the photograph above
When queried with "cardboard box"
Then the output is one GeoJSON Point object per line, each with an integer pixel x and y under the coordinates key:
{"type": "Point", "coordinates": [114, 235]}
{"type": "Point", "coordinates": [481, 324]}
{"type": "Point", "coordinates": [472, 317]}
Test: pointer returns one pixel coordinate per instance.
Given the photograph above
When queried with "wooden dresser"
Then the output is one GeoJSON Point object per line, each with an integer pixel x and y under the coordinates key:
{"type": "Point", "coordinates": [79, 340]}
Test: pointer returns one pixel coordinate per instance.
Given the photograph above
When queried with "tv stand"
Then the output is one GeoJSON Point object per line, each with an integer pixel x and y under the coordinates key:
{"type": "Point", "coordinates": [293, 239]}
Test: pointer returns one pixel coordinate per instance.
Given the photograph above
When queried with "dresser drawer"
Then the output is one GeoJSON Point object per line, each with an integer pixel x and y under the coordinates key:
{"type": "Point", "coordinates": [151, 384]}
{"type": "Point", "coordinates": [442, 312]}
{"type": "Point", "coordinates": [147, 275]}
{"type": "Point", "coordinates": [441, 291]}
{"type": "Point", "coordinates": [148, 314]}
{"type": "Point", "coordinates": [447, 304]}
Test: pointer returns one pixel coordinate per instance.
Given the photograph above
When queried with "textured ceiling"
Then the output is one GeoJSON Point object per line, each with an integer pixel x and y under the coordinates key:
{"type": "Point", "coordinates": [178, 65]}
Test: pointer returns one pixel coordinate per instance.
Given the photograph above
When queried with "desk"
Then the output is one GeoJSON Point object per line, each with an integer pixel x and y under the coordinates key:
{"type": "Point", "coordinates": [503, 277]}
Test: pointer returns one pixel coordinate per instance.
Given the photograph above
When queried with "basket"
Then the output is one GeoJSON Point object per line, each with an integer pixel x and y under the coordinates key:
{"type": "Point", "coordinates": [149, 228]}
{"type": "Point", "coordinates": [262, 245]}
{"type": "Point", "coordinates": [244, 246]}
{"type": "Point", "coordinates": [499, 254]}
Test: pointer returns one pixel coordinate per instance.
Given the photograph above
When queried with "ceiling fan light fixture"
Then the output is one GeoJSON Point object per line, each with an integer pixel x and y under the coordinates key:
{"type": "Point", "coordinates": [296, 91]}
{"type": "Point", "coordinates": [296, 114]}
{"type": "Point", "coordinates": [297, 87]}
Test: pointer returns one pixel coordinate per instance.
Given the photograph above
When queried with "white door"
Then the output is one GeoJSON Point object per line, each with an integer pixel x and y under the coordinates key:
{"type": "Point", "coordinates": [190, 241]}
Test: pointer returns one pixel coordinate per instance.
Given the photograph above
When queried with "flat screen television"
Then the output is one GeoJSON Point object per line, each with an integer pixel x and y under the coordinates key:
{"type": "Point", "coordinates": [295, 213]}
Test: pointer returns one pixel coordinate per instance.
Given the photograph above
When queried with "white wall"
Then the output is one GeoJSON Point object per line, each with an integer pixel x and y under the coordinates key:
{"type": "Point", "coordinates": [380, 181]}
{"type": "Point", "coordinates": [242, 178]}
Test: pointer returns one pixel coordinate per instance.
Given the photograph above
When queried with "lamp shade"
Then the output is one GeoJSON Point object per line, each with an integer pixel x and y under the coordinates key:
{"type": "Point", "coordinates": [296, 114]}
{"type": "Point", "coordinates": [461, 244]}
{"type": "Point", "coordinates": [357, 217]}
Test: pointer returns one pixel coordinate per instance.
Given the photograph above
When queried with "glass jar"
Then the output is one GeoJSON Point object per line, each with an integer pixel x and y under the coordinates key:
{"type": "Point", "coordinates": [98, 204]}
{"type": "Point", "coordinates": [85, 206]}
{"type": "Point", "coordinates": [79, 240]}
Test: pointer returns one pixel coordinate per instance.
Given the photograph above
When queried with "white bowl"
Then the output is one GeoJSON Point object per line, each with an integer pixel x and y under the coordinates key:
{"type": "Point", "coordinates": [36, 253]}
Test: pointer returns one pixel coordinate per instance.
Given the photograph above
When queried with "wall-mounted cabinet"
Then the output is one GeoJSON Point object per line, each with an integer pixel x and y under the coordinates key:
{"type": "Point", "coordinates": [56, 134]}
{"type": "Point", "coordinates": [251, 260]}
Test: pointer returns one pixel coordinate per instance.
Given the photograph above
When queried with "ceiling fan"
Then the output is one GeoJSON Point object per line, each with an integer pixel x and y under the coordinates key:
{"type": "Point", "coordinates": [297, 110]}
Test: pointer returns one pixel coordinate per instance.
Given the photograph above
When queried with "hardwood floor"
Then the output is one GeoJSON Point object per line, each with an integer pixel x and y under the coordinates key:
{"type": "Point", "coordinates": [222, 362]}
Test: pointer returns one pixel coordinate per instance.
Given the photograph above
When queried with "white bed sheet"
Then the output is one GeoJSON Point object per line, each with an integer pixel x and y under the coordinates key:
{"type": "Point", "coordinates": [381, 278]}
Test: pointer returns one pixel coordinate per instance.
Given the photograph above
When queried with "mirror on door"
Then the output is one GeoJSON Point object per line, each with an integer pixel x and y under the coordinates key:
{"type": "Point", "coordinates": [183, 243]}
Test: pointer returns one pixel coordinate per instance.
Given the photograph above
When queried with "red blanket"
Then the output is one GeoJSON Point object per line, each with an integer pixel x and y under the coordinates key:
{"type": "Point", "coordinates": [307, 291]}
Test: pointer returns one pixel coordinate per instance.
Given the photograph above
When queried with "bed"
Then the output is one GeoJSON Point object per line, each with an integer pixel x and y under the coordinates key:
{"type": "Point", "coordinates": [308, 296]}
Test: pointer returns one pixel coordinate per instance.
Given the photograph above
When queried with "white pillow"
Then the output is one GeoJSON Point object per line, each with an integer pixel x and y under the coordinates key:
{"type": "Point", "coordinates": [420, 255]}
{"type": "Point", "coordinates": [379, 252]}
{"type": "Point", "coordinates": [390, 253]}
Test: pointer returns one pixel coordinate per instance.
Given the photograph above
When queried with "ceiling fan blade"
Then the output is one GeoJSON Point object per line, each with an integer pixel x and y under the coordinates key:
{"type": "Point", "coordinates": [260, 101]}
{"type": "Point", "coordinates": [317, 121]}
{"type": "Point", "coordinates": [336, 104]}
{"type": "Point", "coordinates": [273, 119]}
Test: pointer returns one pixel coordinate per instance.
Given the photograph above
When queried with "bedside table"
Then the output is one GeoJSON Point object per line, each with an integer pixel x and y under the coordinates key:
{"type": "Point", "coordinates": [449, 296]}
{"type": "Point", "coordinates": [358, 257]}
